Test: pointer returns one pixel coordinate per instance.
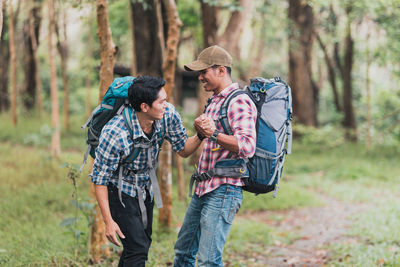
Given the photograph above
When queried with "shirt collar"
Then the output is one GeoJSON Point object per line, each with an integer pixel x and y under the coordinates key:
{"type": "Point", "coordinates": [137, 130]}
{"type": "Point", "coordinates": [224, 93]}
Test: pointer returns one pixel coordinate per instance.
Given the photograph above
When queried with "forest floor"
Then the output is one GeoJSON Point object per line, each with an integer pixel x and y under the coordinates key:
{"type": "Point", "coordinates": [315, 228]}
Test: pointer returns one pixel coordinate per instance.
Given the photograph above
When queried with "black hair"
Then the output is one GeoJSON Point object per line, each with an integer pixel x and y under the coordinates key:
{"type": "Point", "coordinates": [144, 89]}
{"type": "Point", "coordinates": [228, 69]}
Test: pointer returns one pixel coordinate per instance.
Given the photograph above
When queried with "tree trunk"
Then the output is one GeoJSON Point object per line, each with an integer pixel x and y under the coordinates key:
{"type": "Point", "coordinates": [55, 117]}
{"type": "Point", "coordinates": [230, 39]}
{"type": "Point", "coordinates": [255, 68]}
{"type": "Point", "coordinates": [13, 65]}
{"type": "Point", "coordinates": [331, 72]}
{"type": "Point", "coordinates": [149, 49]}
{"type": "Point", "coordinates": [180, 178]}
{"type": "Point", "coordinates": [132, 25]}
{"type": "Point", "coordinates": [34, 37]}
{"type": "Point", "coordinates": [174, 24]}
{"type": "Point", "coordinates": [209, 21]}
{"type": "Point", "coordinates": [4, 62]}
{"type": "Point", "coordinates": [300, 58]}
{"type": "Point", "coordinates": [30, 86]}
{"type": "Point", "coordinates": [98, 240]}
{"type": "Point", "coordinates": [62, 47]}
{"type": "Point", "coordinates": [88, 78]}
{"type": "Point", "coordinates": [349, 121]}
{"type": "Point", "coordinates": [368, 93]}
{"type": "Point", "coordinates": [1, 17]}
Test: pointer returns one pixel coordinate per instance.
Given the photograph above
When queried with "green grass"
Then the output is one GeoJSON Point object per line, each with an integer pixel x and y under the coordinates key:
{"type": "Point", "coordinates": [35, 196]}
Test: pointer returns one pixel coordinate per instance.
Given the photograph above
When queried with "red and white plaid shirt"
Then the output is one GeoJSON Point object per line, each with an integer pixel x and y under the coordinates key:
{"type": "Point", "coordinates": [242, 115]}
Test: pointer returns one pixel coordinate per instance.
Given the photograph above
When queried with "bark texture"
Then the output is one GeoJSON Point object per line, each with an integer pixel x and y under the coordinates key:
{"type": "Point", "coordinates": [209, 21]}
{"type": "Point", "coordinates": [30, 70]}
{"type": "Point", "coordinates": [300, 50]}
{"type": "Point", "coordinates": [368, 93]}
{"type": "Point", "coordinates": [55, 116]}
{"type": "Point", "coordinates": [34, 36]}
{"type": "Point", "coordinates": [230, 39]}
{"type": "Point", "coordinates": [165, 178]}
{"type": "Point", "coordinates": [88, 80]}
{"type": "Point", "coordinates": [13, 65]}
{"type": "Point", "coordinates": [98, 240]}
{"type": "Point", "coordinates": [149, 49]}
{"type": "Point", "coordinates": [349, 121]}
{"type": "Point", "coordinates": [62, 48]}
{"type": "Point", "coordinates": [4, 63]}
{"type": "Point", "coordinates": [1, 17]}
{"type": "Point", "coordinates": [331, 72]}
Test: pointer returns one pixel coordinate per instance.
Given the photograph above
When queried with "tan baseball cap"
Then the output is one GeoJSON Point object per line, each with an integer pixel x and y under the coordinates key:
{"type": "Point", "coordinates": [213, 55]}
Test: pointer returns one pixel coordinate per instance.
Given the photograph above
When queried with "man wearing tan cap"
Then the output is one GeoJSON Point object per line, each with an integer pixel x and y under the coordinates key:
{"type": "Point", "coordinates": [217, 198]}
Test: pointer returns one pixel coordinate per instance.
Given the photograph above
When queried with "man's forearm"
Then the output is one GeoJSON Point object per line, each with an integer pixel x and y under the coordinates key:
{"type": "Point", "coordinates": [102, 199]}
{"type": "Point", "coordinates": [192, 143]}
{"type": "Point", "coordinates": [228, 142]}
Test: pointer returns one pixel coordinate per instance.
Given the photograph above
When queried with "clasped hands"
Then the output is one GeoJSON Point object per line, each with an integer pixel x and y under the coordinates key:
{"type": "Point", "coordinates": [204, 125]}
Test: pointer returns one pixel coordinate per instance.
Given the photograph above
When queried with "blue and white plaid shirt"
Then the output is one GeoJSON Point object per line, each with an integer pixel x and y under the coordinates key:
{"type": "Point", "coordinates": [115, 142]}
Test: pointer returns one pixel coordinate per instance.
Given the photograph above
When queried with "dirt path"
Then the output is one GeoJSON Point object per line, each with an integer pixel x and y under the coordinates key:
{"type": "Point", "coordinates": [315, 227]}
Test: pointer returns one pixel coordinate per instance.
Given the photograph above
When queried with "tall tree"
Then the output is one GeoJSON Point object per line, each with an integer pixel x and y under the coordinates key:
{"type": "Point", "coordinates": [368, 91]}
{"type": "Point", "coordinates": [305, 92]}
{"type": "Point", "coordinates": [210, 23]}
{"type": "Point", "coordinates": [169, 66]}
{"type": "Point", "coordinates": [132, 27]}
{"type": "Point", "coordinates": [331, 72]}
{"type": "Point", "coordinates": [349, 120]}
{"type": "Point", "coordinates": [88, 78]}
{"type": "Point", "coordinates": [55, 116]}
{"type": "Point", "coordinates": [4, 62]}
{"type": "Point", "coordinates": [34, 34]}
{"type": "Point", "coordinates": [29, 66]}
{"type": "Point", "coordinates": [63, 51]}
{"type": "Point", "coordinates": [148, 33]}
{"type": "Point", "coordinates": [1, 17]}
{"type": "Point", "coordinates": [230, 39]}
{"type": "Point", "coordinates": [13, 65]}
{"type": "Point", "coordinates": [98, 240]}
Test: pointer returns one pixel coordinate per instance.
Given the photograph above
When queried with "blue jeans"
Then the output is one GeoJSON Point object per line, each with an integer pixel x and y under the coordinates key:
{"type": "Point", "coordinates": [206, 225]}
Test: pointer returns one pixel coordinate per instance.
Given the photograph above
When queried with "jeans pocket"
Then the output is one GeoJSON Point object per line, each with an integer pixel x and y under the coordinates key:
{"type": "Point", "coordinates": [231, 208]}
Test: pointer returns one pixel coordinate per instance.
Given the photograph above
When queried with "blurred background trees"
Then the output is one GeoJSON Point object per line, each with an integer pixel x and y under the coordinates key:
{"type": "Point", "coordinates": [341, 58]}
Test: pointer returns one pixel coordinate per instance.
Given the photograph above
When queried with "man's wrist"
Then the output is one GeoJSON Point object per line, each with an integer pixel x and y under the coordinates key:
{"type": "Point", "coordinates": [214, 135]}
{"type": "Point", "coordinates": [200, 136]}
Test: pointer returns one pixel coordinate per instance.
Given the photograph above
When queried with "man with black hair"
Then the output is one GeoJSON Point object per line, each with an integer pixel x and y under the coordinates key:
{"type": "Point", "coordinates": [217, 198]}
{"type": "Point", "coordinates": [128, 213]}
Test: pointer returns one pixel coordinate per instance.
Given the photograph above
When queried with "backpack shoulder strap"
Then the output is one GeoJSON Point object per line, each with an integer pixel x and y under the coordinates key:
{"type": "Point", "coordinates": [161, 134]}
{"type": "Point", "coordinates": [127, 114]}
{"type": "Point", "coordinates": [223, 114]}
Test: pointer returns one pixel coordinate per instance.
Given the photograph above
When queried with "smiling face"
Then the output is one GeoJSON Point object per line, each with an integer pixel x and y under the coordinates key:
{"type": "Point", "coordinates": [210, 79]}
{"type": "Point", "coordinates": [157, 109]}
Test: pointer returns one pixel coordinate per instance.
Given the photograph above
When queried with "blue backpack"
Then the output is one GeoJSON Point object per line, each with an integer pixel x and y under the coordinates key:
{"type": "Point", "coordinates": [114, 102]}
{"type": "Point", "coordinates": [262, 172]}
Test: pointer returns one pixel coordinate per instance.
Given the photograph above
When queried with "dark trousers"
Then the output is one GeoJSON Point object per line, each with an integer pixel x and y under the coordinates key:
{"type": "Point", "coordinates": [137, 240]}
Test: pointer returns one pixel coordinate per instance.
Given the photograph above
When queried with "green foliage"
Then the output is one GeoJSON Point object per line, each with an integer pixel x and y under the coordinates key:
{"type": "Point", "coordinates": [119, 23]}
{"type": "Point", "coordinates": [35, 198]}
{"type": "Point", "coordinates": [34, 131]}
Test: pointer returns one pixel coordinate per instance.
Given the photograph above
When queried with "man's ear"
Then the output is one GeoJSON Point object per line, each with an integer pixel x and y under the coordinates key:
{"type": "Point", "coordinates": [144, 107]}
{"type": "Point", "coordinates": [221, 70]}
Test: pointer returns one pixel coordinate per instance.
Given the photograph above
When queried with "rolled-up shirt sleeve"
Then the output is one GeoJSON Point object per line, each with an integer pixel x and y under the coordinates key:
{"type": "Point", "coordinates": [176, 133]}
{"type": "Point", "coordinates": [108, 154]}
{"type": "Point", "coordinates": [242, 116]}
